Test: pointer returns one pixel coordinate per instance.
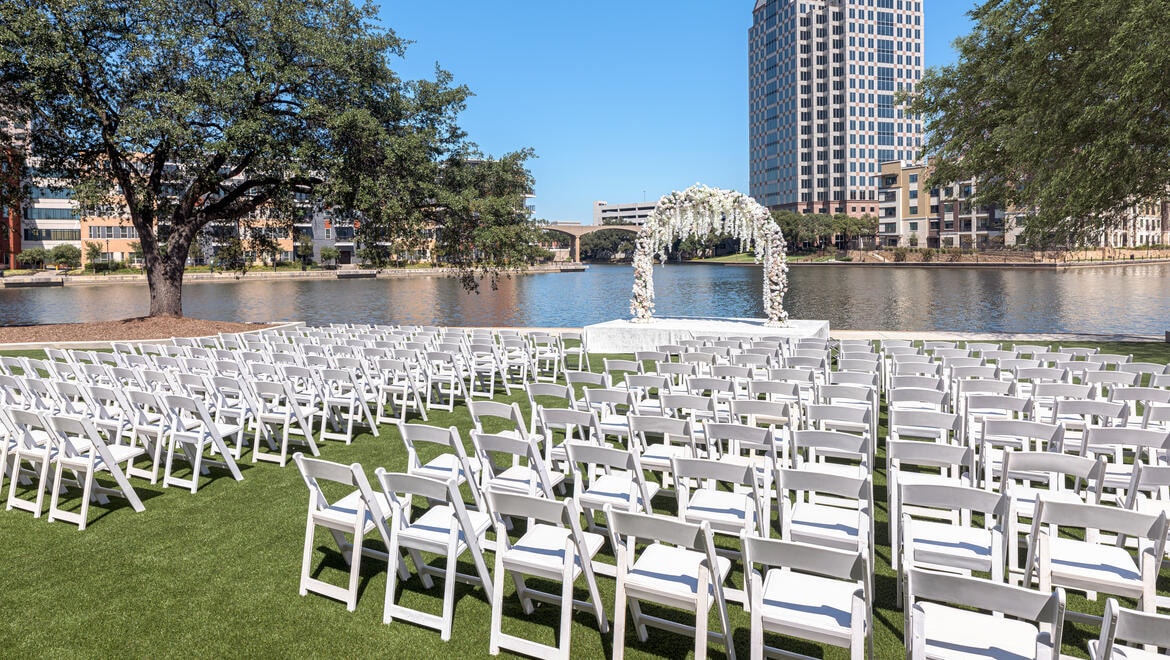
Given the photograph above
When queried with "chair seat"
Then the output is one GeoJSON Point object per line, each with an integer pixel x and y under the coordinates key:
{"type": "Point", "coordinates": [1098, 567]}
{"type": "Point", "coordinates": [523, 479]}
{"type": "Point", "coordinates": [951, 545]}
{"type": "Point", "coordinates": [657, 456]}
{"type": "Point", "coordinates": [342, 514]}
{"type": "Point", "coordinates": [1024, 498]}
{"type": "Point", "coordinates": [670, 574]}
{"type": "Point", "coordinates": [615, 489]}
{"type": "Point", "coordinates": [1126, 653]}
{"type": "Point", "coordinates": [809, 606]}
{"type": "Point", "coordinates": [959, 634]}
{"type": "Point", "coordinates": [827, 525]}
{"type": "Point", "coordinates": [726, 511]}
{"type": "Point", "coordinates": [444, 467]}
{"type": "Point", "coordinates": [541, 552]}
{"type": "Point", "coordinates": [430, 531]}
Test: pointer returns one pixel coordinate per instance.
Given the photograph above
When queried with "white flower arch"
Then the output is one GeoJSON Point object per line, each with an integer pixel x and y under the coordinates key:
{"type": "Point", "coordinates": [699, 211]}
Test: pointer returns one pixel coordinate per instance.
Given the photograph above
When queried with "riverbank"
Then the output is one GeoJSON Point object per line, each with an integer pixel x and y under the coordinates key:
{"type": "Point", "coordinates": [930, 259]}
{"type": "Point", "coordinates": [51, 279]}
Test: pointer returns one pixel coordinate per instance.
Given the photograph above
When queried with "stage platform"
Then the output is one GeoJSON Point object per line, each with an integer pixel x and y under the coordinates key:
{"type": "Point", "coordinates": [625, 336]}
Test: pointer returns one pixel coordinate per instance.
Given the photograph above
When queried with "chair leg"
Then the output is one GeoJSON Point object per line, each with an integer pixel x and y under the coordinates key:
{"type": "Point", "coordinates": [449, 597]}
{"type": "Point", "coordinates": [497, 605]}
{"type": "Point", "coordinates": [619, 618]}
{"type": "Point", "coordinates": [355, 568]}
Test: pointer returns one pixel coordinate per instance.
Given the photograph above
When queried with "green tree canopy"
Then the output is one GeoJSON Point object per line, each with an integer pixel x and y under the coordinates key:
{"type": "Point", "coordinates": [231, 111]}
{"type": "Point", "coordinates": [1058, 107]}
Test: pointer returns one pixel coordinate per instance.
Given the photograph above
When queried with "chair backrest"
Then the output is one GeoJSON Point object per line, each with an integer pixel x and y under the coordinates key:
{"type": "Point", "coordinates": [1148, 529]}
{"type": "Point", "coordinates": [1122, 624]}
{"type": "Point", "coordinates": [1139, 441]}
{"type": "Point", "coordinates": [503, 415]}
{"type": "Point", "coordinates": [625, 527]}
{"type": "Point", "coordinates": [1021, 433]}
{"type": "Point", "coordinates": [493, 449]}
{"type": "Point", "coordinates": [806, 481]}
{"type": "Point", "coordinates": [581, 424]}
{"type": "Point", "coordinates": [811, 446]}
{"type": "Point", "coordinates": [1045, 610]}
{"type": "Point", "coordinates": [901, 397]}
{"type": "Point", "coordinates": [314, 471]}
{"type": "Point", "coordinates": [949, 458]}
{"type": "Point", "coordinates": [1053, 470]}
{"type": "Point", "coordinates": [932, 424]}
{"type": "Point", "coordinates": [946, 498]}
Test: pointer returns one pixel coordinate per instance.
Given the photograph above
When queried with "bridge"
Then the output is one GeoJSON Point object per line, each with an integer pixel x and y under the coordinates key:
{"type": "Point", "coordinates": [577, 231]}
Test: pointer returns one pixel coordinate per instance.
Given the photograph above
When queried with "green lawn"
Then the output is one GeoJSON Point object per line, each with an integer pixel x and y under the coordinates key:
{"type": "Point", "coordinates": [216, 574]}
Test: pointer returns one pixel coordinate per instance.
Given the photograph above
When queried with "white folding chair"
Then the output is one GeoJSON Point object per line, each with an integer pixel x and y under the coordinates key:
{"type": "Point", "coordinates": [357, 512]}
{"type": "Point", "coordinates": [398, 388]}
{"type": "Point", "coordinates": [447, 529]}
{"type": "Point", "coordinates": [678, 568]}
{"type": "Point", "coordinates": [81, 450]}
{"type": "Point", "coordinates": [1090, 564]}
{"type": "Point", "coordinates": [35, 446]}
{"type": "Point", "coordinates": [514, 465]}
{"type": "Point", "coordinates": [606, 476]}
{"type": "Point", "coordinates": [930, 537]}
{"type": "Point", "coordinates": [807, 592]}
{"type": "Point", "coordinates": [280, 412]}
{"type": "Point", "coordinates": [193, 432]}
{"type": "Point", "coordinates": [552, 548]}
{"type": "Point", "coordinates": [951, 616]}
{"type": "Point", "coordinates": [451, 463]}
{"type": "Point", "coordinates": [1121, 624]}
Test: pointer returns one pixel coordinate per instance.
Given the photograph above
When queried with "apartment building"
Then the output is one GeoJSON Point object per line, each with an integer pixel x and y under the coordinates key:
{"type": "Point", "coordinates": [912, 214]}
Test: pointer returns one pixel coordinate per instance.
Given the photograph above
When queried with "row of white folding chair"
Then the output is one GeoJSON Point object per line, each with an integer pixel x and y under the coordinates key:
{"type": "Point", "coordinates": [34, 443]}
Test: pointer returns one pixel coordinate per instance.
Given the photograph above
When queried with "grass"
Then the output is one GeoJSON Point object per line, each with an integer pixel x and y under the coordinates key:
{"type": "Point", "coordinates": [216, 574]}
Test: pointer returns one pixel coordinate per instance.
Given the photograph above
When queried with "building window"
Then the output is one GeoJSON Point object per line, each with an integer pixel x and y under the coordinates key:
{"type": "Point", "coordinates": [52, 234]}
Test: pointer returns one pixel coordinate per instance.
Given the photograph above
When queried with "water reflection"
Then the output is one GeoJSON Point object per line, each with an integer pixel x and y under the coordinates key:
{"type": "Point", "coordinates": [1130, 299]}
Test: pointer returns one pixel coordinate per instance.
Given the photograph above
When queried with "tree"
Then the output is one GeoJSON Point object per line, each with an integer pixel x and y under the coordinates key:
{"type": "Point", "coordinates": [93, 254]}
{"type": "Point", "coordinates": [1057, 107]}
{"type": "Point", "coordinates": [202, 112]}
{"type": "Point", "coordinates": [66, 255]}
{"type": "Point", "coordinates": [305, 250]}
{"type": "Point", "coordinates": [485, 226]}
{"type": "Point", "coordinates": [33, 257]}
{"type": "Point", "coordinates": [330, 254]}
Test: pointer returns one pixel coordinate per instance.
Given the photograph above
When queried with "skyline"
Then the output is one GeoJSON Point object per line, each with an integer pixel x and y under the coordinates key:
{"type": "Point", "coordinates": [615, 105]}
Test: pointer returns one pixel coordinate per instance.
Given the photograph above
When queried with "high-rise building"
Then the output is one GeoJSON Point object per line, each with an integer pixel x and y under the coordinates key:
{"type": "Point", "coordinates": [824, 76]}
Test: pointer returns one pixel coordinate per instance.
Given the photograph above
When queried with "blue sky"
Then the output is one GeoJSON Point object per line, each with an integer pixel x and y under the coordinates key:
{"type": "Point", "coordinates": [621, 99]}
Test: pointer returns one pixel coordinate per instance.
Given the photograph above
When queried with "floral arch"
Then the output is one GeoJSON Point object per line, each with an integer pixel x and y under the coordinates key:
{"type": "Point", "coordinates": [699, 211]}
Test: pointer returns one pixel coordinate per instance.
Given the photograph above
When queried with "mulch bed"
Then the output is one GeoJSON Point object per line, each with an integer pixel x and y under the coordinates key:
{"type": "Point", "coordinates": [123, 330]}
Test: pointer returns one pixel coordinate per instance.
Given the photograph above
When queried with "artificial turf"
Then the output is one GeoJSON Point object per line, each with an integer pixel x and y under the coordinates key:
{"type": "Point", "coordinates": [216, 574]}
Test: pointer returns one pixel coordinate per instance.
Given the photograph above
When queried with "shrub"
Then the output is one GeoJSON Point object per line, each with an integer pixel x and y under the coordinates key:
{"type": "Point", "coordinates": [927, 255]}
{"type": "Point", "coordinates": [900, 254]}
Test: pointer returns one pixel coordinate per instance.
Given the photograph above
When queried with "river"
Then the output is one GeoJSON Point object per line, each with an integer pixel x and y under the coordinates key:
{"type": "Point", "coordinates": [1108, 300]}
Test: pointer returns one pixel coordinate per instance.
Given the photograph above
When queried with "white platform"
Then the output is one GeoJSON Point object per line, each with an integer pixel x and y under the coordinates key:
{"type": "Point", "coordinates": [625, 336]}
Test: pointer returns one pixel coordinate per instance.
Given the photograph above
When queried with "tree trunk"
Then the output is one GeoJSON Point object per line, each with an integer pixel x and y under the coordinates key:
{"type": "Point", "coordinates": [166, 288]}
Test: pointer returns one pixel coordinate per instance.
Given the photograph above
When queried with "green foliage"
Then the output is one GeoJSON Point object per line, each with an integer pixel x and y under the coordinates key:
{"type": "Point", "coordinates": [304, 250]}
{"type": "Point", "coordinates": [93, 254]}
{"type": "Point", "coordinates": [226, 112]}
{"type": "Point", "coordinates": [819, 231]}
{"type": "Point", "coordinates": [1057, 107]}
{"type": "Point", "coordinates": [66, 255]}
{"type": "Point", "coordinates": [330, 254]}
{"type": "Point", "coordinates": [485, 229]}
{"type": "Point", "coordinates": [607, 244]}
{"type": "Point", "coordinates": [33, 257]}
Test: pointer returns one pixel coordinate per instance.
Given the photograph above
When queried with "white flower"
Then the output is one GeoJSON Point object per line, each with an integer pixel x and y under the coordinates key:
{"type": "Point", "coordinates": [698, 211]}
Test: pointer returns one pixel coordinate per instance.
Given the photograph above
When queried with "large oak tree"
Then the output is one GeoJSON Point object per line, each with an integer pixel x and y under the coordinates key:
{"type": "Point", "coordinates": [219, 111]}
{"type": "Point", "coordinates": [1058, 107]}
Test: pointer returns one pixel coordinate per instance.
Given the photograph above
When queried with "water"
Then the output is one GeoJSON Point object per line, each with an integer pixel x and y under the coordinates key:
{"type": "Point", "coordinates": [1113, 300]}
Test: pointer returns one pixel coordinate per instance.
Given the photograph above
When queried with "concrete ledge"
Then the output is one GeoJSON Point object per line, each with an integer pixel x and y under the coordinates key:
{"type": "Point", "coordinates": [625, 336]}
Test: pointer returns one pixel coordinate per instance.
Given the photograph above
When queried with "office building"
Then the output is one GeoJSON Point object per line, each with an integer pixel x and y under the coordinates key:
{"type": "Point", "coordinates": [824, 76]}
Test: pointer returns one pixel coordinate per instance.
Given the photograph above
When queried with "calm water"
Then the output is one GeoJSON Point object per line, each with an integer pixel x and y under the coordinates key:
{"type": "Point", "coordinates": [1125, 299]}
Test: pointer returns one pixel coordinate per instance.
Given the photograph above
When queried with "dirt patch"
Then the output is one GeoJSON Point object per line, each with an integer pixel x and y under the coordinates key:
{"type": "Point", "coordinates": [124, 330]}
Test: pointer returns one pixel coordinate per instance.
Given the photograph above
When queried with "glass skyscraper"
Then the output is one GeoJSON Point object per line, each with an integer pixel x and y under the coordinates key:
{"type": "Point", "coordinates": [824, 78]}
